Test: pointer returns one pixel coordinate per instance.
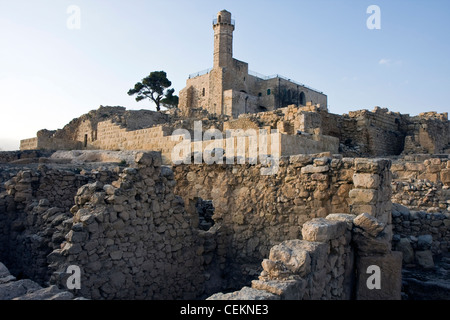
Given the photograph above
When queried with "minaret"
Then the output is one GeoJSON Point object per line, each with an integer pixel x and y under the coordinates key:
{"type": "Point", "coordinates": [223, 27]}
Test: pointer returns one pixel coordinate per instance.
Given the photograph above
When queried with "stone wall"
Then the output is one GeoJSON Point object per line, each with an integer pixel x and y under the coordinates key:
{"type": "Point", "coordinates": [32, 214]}
{"type": "Point", "coordinates": [421, 210]}
{"type": "Point", "coordinates": [330, 263]}
{"type": "Point", "coordinates": [27, 156]}
{"type": "Point", "coordinates": [433, 228]}
{"type": "Point", "coordinates": [429, 132]}
{"type": "Point", "coordinates": [255, 212]}
{"type": "Point", "coordinates": [422, 182]}
{"type": "Point", "coordinates": [132, 239]}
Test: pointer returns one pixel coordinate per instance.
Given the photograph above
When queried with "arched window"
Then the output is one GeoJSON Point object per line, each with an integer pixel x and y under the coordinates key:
{"type": "Point", "coordinates": [302, 99]}
{"type": "Point", "coordinates": [268, 92]}
{"type": "Point", "coordinates": [203, 92]}
{"type": "Point", "coordinates": [219, 19]}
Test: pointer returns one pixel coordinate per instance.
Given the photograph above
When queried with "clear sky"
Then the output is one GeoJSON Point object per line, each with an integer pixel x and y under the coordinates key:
{"type": "Point", "coordinates": [50, 73]}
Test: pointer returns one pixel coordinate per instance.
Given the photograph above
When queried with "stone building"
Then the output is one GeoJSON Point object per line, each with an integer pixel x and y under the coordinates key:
{"type": "Point", "coordinates": [229, 88]}
{"type": "Point", "coordinates": [229, 97]}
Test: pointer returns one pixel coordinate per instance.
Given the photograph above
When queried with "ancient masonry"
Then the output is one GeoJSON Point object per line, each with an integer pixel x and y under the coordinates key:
{"type": "Point", "coordinates": [351, 191]}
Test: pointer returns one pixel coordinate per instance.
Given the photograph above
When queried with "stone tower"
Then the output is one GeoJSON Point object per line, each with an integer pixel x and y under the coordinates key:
{"type": "Point", "coordinates": [229, 89]}
{"type": "Point", "coordinates": [223, 27]}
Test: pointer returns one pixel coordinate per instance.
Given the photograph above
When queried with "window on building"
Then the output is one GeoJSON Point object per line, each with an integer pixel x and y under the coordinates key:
{"type": "Point", "coordinates": [302, 98]}
{"type": "Point", "coordinates": [260, 94]}
{"type": "Point", "coordinates": [268, 92]}
{"type": "Point", "coordinates": [219, 19]}
{"type": "Point", "coordinates": [203, 92]}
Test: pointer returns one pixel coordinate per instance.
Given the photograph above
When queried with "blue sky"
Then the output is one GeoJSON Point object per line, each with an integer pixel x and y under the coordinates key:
{"type": "Point", "coordinates": [50, 74]}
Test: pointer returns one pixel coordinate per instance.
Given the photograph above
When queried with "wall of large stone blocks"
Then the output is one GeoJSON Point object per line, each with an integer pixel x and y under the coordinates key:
{"type": "Point", "coordinates": [29, 144]}
{"type": "Point", "coordinates": [111, 136]}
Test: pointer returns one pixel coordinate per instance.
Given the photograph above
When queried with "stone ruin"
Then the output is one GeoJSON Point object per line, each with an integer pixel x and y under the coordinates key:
{"type": "Point", "coordinates": [352, 193]}
{"type": "Point", "coordinates": [137, 228]}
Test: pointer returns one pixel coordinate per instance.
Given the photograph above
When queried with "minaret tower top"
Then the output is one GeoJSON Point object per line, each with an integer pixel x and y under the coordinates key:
{"type": "Point", "coordinates": [223, 27]}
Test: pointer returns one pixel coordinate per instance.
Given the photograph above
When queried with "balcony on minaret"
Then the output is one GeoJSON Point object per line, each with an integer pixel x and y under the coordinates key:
{"type": "Point", "coordinates": [224, 18]}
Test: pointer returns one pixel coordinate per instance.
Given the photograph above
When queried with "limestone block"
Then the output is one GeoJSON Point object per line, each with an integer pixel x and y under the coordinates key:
{"type": "Point", "coordinates": [390, 267]}
{"type": "Point", "coordinates": [369, 224]}
{"type": "Point", "coordinates": [346, 217]}
{"type": "Point", "coordinates": [367, 245]}
{"type": "Point", "coordinates": [322, 161]}
{"type": "Point", "coordinates": [364, 165]}
{"type": "Point", "coordinates": [313, 169]}
{"type": "Point", "coordinates": [296, 259]}
{"type": "Point", "coordinates": [286, 289]}
{"type": "Point", "coordinates": [366, 180]}
{"type": "Point", "coordinates": [412, 166]}
{"type": "Point", "coordinates": [445, 176]}
{"type": "Point", "coordinates": [363, 196]}
{"type": "Point", "coordinates": [322, 230]}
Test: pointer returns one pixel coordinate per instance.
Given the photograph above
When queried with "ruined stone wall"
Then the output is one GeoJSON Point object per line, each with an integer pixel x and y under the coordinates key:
{"type": "Point", "coordinates": [255, 212]}
{"type": "Point", "coordinates": [32, 214]}
{"type": "Point", "coordinates": [420, 231]}
{"type": "Point", "coordinates": [132, 238]}
{"type": "Point", "coordinates": [331, 263]}
{"type": "Point", "coordinates": [429, 132]}
{"type": "Point", "coordinates": [422, 182]}
{"type": "Point", "coordinates": [373, 133]}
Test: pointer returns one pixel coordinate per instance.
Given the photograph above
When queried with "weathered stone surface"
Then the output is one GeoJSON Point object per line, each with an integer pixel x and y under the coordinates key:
{"type": "Point", "coordinates": [369, 224]}
{"type": "Point", "coordinates": [368, 245]}
{"type": "Point", "coordinates": [404, 246]}
{"type": "Point", "coordinates": [50, 293]}
{"type": "Point", "coordinates": [4, 272]}
{"type": "Point", "coordinates": [286, 289]}
{"type": "Point", "coordinates": [424, 242]}
{"type": "Point", "coordinates": [390, 277]}
{"type": "Point", "coordinates": [322, 230]}
{"type": "Point", "coordinates": [424, 259]}
{"type": "Point", "coordinates": [246, 293]}
{"type": "Point", "coordinates": [293, 256]}
{"type": "Point", "coordinates": [366, 180]}
{"type": "Point", "coordinates": [14, 289]}
{"type": "Point", "coordinates": [315, 169]}
{"type": "Point", "coordinates": [363, 196]}
{"type": "Point", "coordinates": [345, 217]}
